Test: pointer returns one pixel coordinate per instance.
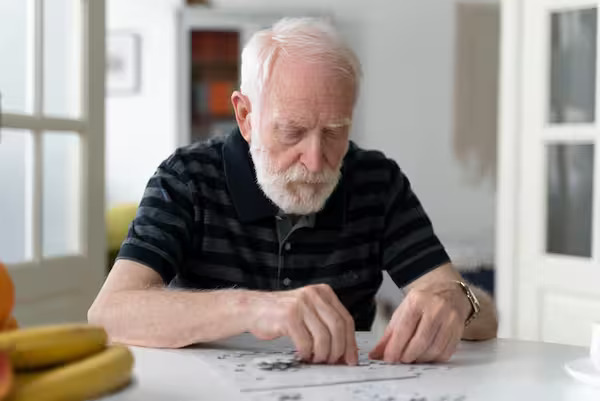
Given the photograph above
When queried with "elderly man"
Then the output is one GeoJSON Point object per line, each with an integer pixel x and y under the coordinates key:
{"type": "Point", "coordinates": [286, 226]}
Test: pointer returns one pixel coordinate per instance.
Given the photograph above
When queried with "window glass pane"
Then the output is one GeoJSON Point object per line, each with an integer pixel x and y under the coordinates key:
{"type": "Point", "coordinates": [16, 177]}
{"type": "Point", "coordinates": [570, 199]}
{"type": "Point", "coordinates": [61, 194]}
{"type": "Point", "coordinates": [62, 58]}
{"type": "Point", "coordinates": [573, 66]}
{"type": "Point", "coordinates": [14, 65]}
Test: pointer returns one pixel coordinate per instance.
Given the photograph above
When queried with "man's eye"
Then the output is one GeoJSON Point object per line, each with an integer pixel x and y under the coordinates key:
{"type": "Point", "coordinates": [331, 133]}
{"type": "Point", "coordinates": [293, 134]}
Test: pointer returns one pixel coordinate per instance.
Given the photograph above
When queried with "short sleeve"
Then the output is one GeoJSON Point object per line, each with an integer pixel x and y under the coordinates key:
{"type": "Point", "coordinates": [161, 233]}
{"type": "Point", "coordinates": [410, 246]}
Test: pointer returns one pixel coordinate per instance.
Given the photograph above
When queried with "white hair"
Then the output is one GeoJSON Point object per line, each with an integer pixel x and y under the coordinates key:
{"type": "Point", "coordinates": [311, 39]}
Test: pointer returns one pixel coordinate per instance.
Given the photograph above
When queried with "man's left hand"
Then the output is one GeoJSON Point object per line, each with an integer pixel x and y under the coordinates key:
{"type": "Point", "coordinates": [426, 327]}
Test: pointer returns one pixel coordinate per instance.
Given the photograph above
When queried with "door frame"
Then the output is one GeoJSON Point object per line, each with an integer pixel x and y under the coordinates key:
{"type": "Point", "coordinates": [508, 179]}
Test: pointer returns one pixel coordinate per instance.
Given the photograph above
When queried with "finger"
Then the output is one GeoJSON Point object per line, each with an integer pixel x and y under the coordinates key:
{"type": "Point", "coordinates": [320, 334]}
{"type": "Point", "coordinates": [377, 352]}
{"type": "Point", "coordinates": [456, 328]}
{"type": "Point", "coordinates": [404, 330]}
{"type": "Point", "coordinates": [451, 346]}
{"type": "Point", "coordinates": [337, 328]}
{"type": "Point", "coordinates": [422, 339]}
{"type": "Point", "coordinates": [438, 344]}
{"type": "Point", "coordinates": [351, 354]}
{"type": "Point", "coordinates": [301, 338]}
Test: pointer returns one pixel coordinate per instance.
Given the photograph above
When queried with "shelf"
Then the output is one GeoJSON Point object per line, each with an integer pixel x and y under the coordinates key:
{"type": "Point", "coordinates": [214, 46]}
{"type": "Point", "coordinates": [214, 65]}
{"type": "Point", "coordinates": [212, 117]}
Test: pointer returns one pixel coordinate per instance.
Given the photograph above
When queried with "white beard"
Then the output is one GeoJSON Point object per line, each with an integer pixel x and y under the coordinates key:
{"type": "Point", "coordinates": [292, 190]}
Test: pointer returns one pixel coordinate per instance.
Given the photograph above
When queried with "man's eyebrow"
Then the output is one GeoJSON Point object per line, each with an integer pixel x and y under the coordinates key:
{"type": "Point", "coordinates": [297, 124]}
{"type": "Point", "coordinates": [342, 123]}
{"type": "Point", "coordinates": [289, 124]}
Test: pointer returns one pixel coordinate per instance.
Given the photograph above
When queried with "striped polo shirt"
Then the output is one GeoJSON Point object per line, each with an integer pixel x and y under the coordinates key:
{"type": "Point", "coordinates": [204, 223]}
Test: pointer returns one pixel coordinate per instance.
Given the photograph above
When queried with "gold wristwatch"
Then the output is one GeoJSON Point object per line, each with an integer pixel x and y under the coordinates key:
{"type": "Point", "coordinates": [472, 300]}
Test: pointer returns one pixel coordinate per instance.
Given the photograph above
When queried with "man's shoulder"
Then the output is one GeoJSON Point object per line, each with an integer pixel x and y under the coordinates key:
{"type": "Point", "coordinates": [362, 161]}
{"type": "Point", "coordinates": [196, 157]}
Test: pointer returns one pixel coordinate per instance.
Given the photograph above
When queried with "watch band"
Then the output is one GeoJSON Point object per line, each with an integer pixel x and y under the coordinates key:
{"type": "Point", "coordinates": [476, 307]}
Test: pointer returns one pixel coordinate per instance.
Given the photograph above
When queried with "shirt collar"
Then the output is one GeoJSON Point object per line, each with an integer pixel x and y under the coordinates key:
{"type": "Point", "coordinates": [250, 202]}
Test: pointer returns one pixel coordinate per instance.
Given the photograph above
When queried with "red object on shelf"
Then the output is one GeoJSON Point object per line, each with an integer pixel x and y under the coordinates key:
{"type": "Point", "coordinates": [219, 97]}
{"type": "Point", "coordinates": [215, 59]}
{"type": "Point", "coordinates": [215, 47]}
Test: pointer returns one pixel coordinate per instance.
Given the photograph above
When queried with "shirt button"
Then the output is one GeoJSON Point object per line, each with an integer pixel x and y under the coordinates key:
{"type": "Point", "coordinates": [288, 246]}
{"type": "Point", "coordinates": [287, 281]}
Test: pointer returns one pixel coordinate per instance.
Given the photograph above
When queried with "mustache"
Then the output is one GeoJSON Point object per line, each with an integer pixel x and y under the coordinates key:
{"type": "Point", "coordinates": [300, 174]}
{"type": "Point", "coordinates": [296, 173]}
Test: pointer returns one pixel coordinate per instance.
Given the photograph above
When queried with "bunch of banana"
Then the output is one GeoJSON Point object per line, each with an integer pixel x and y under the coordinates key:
{"type": "Point", "coordinates": [70, 362]}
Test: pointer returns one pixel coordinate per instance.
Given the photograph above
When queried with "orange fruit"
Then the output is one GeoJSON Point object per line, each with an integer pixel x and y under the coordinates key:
{"type": "Point", "coordinates": [10, 324]}
{"type": "Point", "coordinates": [6, 375]}
{"type": "Point", "coordinates": [7, 294]}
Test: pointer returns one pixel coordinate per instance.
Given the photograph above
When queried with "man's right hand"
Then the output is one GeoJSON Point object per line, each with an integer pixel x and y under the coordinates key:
{"type": "Point", "coordinates": [313, 317]}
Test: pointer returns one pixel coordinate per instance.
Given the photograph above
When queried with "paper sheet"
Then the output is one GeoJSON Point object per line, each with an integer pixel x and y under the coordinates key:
{"type": "Point", "coordinates": [236, 361]}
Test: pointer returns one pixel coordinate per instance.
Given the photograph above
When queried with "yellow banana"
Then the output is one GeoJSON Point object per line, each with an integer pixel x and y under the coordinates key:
{"type": "Point", "coordinates": [23, 378]}
{"type": "Point", "coordinates": [47, 346]}
{"type": "Point", "coordinates": [91, 377]}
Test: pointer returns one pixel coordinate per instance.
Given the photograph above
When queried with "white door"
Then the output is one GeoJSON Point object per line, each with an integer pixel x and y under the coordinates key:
{"type": "Point", "coordinates": [52, 155]}
{"type": "Point", "coordinates": [555, 286]}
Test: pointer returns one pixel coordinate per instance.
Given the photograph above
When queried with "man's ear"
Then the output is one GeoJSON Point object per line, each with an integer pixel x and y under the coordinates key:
{"type": "Point", "coordinates": [243, 109]}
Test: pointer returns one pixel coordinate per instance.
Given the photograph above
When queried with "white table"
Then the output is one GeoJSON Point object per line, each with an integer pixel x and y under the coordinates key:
{"type": "Point", "coordinates": [493, 370]}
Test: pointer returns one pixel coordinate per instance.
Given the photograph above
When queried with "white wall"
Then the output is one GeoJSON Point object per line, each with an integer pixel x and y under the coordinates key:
{"type": "Point", "coordinates": [407, 49]}
{"type": "Point", "coordinates": [140, 128]}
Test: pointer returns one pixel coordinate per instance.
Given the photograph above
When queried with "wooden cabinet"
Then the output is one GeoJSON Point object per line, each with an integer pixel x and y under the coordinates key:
{"type": "Point", "coordinates": [214, 75]}
{"type": "Point", "coordinates": [210, 45]}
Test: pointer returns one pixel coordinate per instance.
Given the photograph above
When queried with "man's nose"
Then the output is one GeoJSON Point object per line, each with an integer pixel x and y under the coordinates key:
{"type": "Point", "coordinates": [312, 156]}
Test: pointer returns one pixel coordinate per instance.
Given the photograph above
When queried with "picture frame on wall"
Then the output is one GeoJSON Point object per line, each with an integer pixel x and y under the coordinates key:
{"type": "Point", "coordinates": [123, 63]}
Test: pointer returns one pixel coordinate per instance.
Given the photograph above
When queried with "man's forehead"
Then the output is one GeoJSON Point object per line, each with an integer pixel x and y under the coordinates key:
{"type": "Point", "coordinates": [293, 90]}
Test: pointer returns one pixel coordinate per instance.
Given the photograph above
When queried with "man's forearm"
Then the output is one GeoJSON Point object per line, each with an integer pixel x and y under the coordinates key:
{"type": "Point", "coordinates": [486, 324]}
{"type": "Point", "coordinates": [171, 318]}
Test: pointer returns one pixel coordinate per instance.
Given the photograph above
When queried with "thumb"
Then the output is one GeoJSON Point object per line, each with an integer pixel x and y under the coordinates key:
{"type": "Point", "coordinates": [377, 352]}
